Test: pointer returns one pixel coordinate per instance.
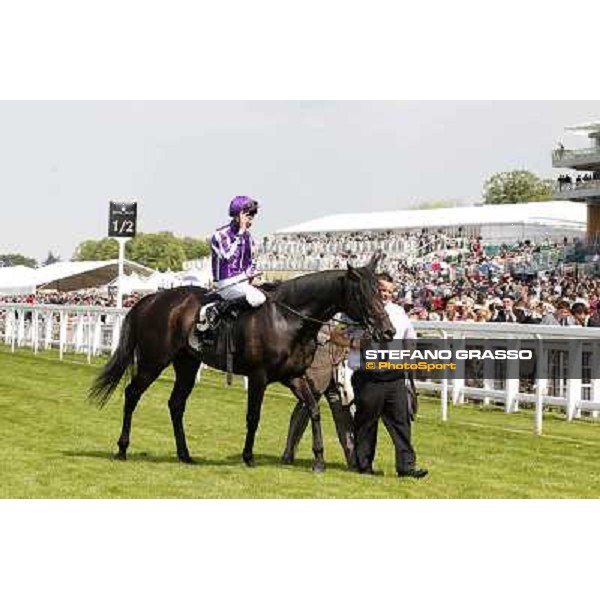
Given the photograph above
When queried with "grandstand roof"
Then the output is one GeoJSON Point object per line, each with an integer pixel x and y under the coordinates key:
{"type": "Point", "coordinates": [552, 214]}
{"type": "Point", "coordinates": [77, 275]}
{"type": "Point", "coordinates": [65, 276]}
{"type": "Point", "coordinates": [585, 128]}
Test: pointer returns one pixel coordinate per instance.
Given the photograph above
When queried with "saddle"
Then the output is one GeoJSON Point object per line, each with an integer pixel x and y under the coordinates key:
{"type": "Point", "coordinates": [208, 328]}
{"type": "Point", "coordinates": [217, 317]}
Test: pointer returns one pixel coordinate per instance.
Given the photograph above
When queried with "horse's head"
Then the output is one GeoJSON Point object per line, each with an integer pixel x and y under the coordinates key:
{"type": "Point", "coordinates": [363, 302]}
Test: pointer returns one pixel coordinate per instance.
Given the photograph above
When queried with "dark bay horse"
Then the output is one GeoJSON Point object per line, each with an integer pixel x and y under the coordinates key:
{"type": "Point", "coordinates": [275, 342]}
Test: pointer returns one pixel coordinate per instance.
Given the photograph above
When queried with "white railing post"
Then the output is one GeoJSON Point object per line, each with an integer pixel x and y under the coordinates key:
{"type": "Point", "coordinates": [34, 329]}
{"type": "Point", "coordinates": [63, 332]}
{"type": "Point", "coordinates": [488, 375]}
{"type": "Point", "coordinates": [444, 391]}
{"type": "Point", "coordinates": [79, 333]}
{"type": "Point", "coordinates": [512, 379]}
{"type": "Point", "coordinates": [97, 335]}
{"type": "Point", "coordinates": [444, 398]}
{"type": "Point", "coordinates": [458, 381]}
{"type": "Point", "coordinates": [89, 338]}
{"type": "Point", "coordinates": [21, 328]}
{"type": "Point", "coordinates": [48, 330]}
{"type": "Point", "coordinates": [116, 333]}
{"type": "Point", "coordinates": [595, 368]}
{"type": "Point", "coordinates": [541, 383]}
{"type": "Point", "coordinates": [10, 327]}
{"type": "Point", "coordinates": [574, 378]}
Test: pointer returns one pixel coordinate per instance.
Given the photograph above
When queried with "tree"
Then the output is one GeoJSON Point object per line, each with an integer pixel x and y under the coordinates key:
{"type": "Point", "coordinates": [51, 259]}
{"type": "Point", "coordinates": [512, 187]}
{"type": "Point", "coordinates": [105, 249]}
{"type": "Point", "coordinates": [14, 260]}
{"type": "Point", "coordinates": [162, 251]}
{"type": "Point", "coordinates": [195, 248]}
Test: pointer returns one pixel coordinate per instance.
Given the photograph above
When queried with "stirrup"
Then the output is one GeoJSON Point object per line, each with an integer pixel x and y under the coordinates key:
{"type": "Point", "coordinates": [213, 316]}
{"type": "Point", "coordinates": [208, 318]}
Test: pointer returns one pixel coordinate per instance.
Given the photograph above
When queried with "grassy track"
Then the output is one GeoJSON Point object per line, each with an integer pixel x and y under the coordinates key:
{"type": "Point", "coordinates": [53, 444]}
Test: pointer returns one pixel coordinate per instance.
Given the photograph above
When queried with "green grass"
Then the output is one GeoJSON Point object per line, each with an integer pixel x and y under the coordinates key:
{"type": "Point", "coordinates": [53, 444]}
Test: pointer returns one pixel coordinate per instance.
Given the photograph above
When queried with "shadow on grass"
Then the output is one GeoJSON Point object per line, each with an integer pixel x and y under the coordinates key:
{"type": "Point", "coordinates": [233, 460]}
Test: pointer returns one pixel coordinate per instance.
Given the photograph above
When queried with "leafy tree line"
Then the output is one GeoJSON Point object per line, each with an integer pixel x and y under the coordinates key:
{"type": "Point", "coordinates": [162, 251]}
{"type": "Point", "coordinates": [15, 260]}
{"type": "Point", "coordinates": [512, 187]}
{"type": "Point", "coordinates": [507, 187]}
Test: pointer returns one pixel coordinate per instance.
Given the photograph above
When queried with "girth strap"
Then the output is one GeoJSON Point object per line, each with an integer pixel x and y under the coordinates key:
{"type": "Point", "coordinates": [229, 348]}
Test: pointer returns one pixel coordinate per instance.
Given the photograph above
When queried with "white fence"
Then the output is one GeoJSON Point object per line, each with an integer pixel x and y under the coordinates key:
{"type": "Point", "coordinates": [89, 330]}
{"type": "Point", "coordinates": [94, 330]}
{"type": "Point", "coordinates": [569, 386]}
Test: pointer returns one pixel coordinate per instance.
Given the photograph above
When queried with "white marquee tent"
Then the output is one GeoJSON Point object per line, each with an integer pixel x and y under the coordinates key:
{"type": "Point", "coordinates": [554, 216]}
{"type": "Point", "coordinates": [17, 281]}
{"type": "Point", "coordinates": [65, 276]}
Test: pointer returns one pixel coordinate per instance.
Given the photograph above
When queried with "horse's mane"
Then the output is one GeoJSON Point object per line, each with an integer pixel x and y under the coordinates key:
{"type": "Point", "coordinates": [303, 285]}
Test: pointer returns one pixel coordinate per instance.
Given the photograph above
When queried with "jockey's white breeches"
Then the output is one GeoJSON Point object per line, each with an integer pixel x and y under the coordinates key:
{"type": "Point", "coordinates": [228, 289]}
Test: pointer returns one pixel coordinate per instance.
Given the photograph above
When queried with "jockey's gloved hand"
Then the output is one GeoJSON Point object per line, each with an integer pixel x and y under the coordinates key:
{"type": "Point", "coordinates": [252, 271]}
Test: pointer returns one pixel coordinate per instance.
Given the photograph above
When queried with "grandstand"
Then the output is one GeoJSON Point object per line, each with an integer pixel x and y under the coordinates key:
{"type": "Point", "coordinates": [577, 188]}
{"type": "Point", "coordinates": [408, 235]}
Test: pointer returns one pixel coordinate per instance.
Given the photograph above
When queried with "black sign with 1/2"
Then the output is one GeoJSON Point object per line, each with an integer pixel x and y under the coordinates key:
{"type": "Point", "coordinates": [122, 219]}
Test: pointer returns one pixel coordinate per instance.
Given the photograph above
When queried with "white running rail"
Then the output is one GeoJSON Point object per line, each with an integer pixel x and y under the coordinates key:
{"type": "Point", "coordinates": [94, 330]}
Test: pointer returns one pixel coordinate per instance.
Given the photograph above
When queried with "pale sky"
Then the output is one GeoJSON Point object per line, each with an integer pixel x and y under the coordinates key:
{"type": "Point", "coordinates": [63, 161]}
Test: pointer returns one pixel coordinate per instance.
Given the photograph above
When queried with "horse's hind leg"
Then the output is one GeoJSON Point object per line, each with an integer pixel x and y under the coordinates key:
{"type": "Point", "coordinates": [140, 382]}
{"type": "Point", "coordinates": [186, 368]}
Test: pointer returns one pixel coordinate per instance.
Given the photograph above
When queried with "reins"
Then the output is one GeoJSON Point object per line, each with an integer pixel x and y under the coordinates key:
{"type": "Point", "coordinates": [312, 319]}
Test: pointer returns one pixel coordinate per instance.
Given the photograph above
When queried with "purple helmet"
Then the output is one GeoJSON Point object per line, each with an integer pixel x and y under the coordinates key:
{"type": "Point", "coordinates": [242, 203]}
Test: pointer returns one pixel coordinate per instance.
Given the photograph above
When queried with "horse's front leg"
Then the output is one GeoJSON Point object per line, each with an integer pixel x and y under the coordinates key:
{"type": "Point", "coordinates": [301, 388]}
{"type": "Point", "coordinates": [256, 391]}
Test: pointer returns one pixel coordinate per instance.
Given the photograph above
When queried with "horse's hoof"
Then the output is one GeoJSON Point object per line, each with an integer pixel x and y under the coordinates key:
{"type": "Point", "coordinates": [249, 460]}
{"type": "Point", "coordinates": [120, 456]}
{"type": "Point", "coordinates": [287, 459]}
{"type": "Point", "coordinates": [188, 460]}
{"type": "Point", "coordinates": [318, 467]}
{"type": "Point", "coordinates": [351, 465]}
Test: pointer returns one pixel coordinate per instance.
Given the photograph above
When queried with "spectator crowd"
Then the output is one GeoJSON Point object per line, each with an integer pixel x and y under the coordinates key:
{"type": "Point", "coordinates": [458, 278]}
{"type": "Point", "coordinates": [79, 298]}
{"type": "Point", "coordinates": [439, 277]}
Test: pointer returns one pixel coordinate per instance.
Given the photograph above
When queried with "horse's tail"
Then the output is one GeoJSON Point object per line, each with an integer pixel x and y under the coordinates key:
{"type": "Point", "coordinates": [122, 360]}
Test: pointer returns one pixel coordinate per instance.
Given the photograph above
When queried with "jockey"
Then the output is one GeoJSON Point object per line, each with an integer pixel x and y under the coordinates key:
{"type": "Point", "coordinates": [233, 263]}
